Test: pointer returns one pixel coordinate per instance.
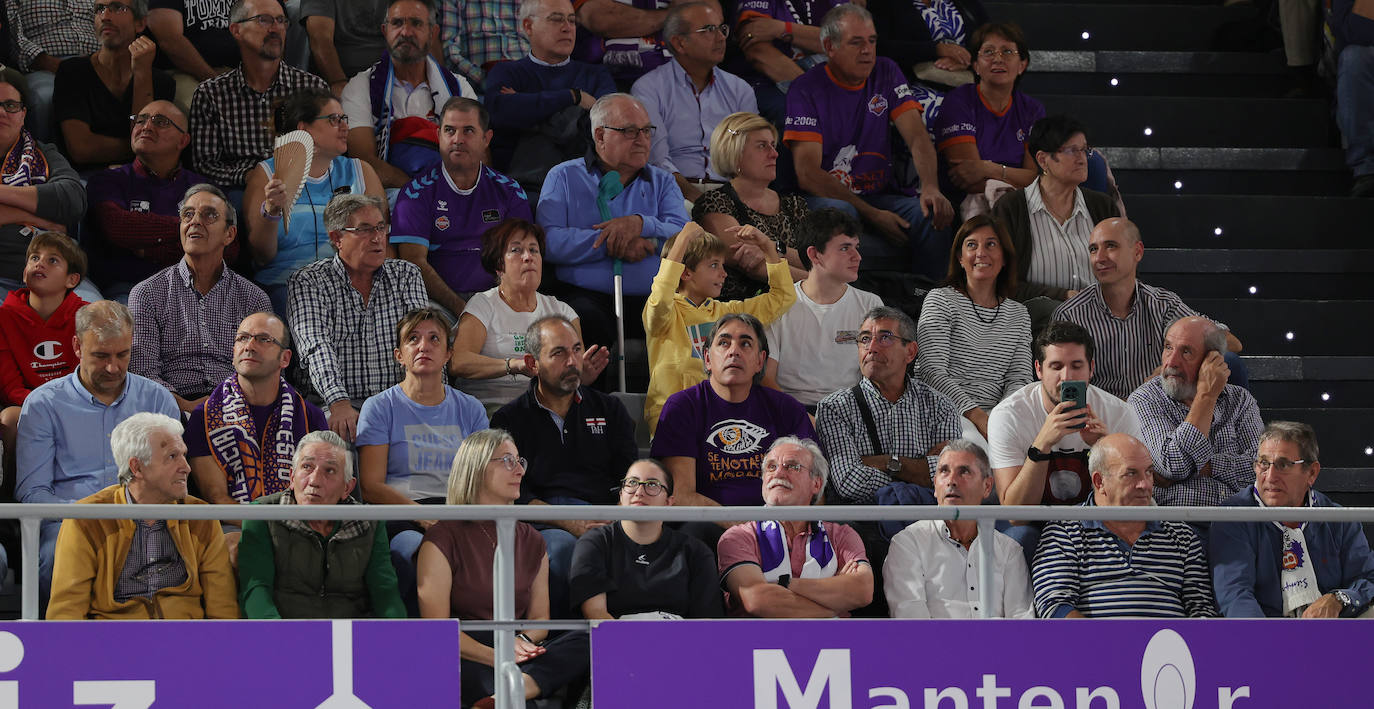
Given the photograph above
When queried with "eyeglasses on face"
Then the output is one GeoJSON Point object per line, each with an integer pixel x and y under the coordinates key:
{"type": "Point", "coordinates": [334, 119]}
{"type": "Point", "coordinates": [882, 339]}
{"type": "Point", "coordinates": [159, 121]}
{"type": "Point", "coordinates": [12, 106]}
{"type": "Point", "coordinates": [1282, 465]}
{"type": "Point", "coordinates": [244, 338]}
{"type": "Point", "coordinates": [265, 21]}
{"type": "Point", "coordinates": [633, 132]}
{"type": "Point", "coordinates": [1075, 151]}
{"type": "Point", "coordinates": [561, 19]}
{"type": "Point", "coordinates": [724, 30]}
{"type": "Point", "coordinates": [114, 8]}
{"type": "Point", "coordinates": [510, 461]}
{"type": "Point", "coordinates": [368, 231]}
{"type": "Point", "coordinates": [207, 215]}
{"type": "Point", "coordinates": [650, 487]}
{"type": "Point", "coordinates": [771, 466]}
{"type": "Point", "coordinates": [990, 53]}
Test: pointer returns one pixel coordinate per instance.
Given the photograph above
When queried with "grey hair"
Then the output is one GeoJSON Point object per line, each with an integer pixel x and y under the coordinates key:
{"type": "Point", "coordinates": [963, 445]}
{"type": "Point", "coordinates": [231, 217]}
{"type": "Point", "coordinates": [238, 12]}
{"type": "Point", "coordinates": [132, 438]}
{"type": "Point", "coordinates": [675, 25]}
{"type": "Point", "coordinates": [106, 319]}
{"type": "Point", "coordinates": [328, 438]}
{"type": "Point", "coordinates": [906, 327]}
{"type": "Point", "coordinates": [820, 467]}
{"type": "Point", "coordinates": [534, 335]}
{"type": "Point", "coordinates": [339, 209]}
{"type": "Point", "coordinates": [139, 8]}
{"type": "Point", "coordinates": [528, 9]}
{"type": "Point", "coordinates": [830, 24]}
{"type": "Point", "coordinates": [1213, 340]}
{"type": "Point", "coordinates": [1300, 434]}
{"type": "Point", "coordinates": [603, 106]}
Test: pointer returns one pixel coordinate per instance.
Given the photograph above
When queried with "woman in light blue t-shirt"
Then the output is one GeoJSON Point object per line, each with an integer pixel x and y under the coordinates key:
{"type": "Point", "coordinates": [408, 434]}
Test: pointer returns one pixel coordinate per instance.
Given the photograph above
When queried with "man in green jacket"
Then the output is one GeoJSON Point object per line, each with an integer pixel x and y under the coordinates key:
{"type": "Point", "coordinates": [317, 569]}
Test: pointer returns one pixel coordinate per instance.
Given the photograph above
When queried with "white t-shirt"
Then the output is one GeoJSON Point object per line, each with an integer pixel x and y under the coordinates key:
{"type": "Point", "coordinates": [406, 101]}
{"type": "Point", "coordinates": [1013, 424]}
{"type": "Point", "coordinates": [814, 345]}
{"type": "Point", "coordinates": [506, 338]}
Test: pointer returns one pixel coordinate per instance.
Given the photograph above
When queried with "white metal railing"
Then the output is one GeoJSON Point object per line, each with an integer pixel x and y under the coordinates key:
{"type": "Point", "coordinates": [509, 686]}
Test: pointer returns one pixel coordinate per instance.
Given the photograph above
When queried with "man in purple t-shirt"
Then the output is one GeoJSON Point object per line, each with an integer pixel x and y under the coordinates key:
{"type": "Point", "coordinates": [837, 126]}
{"type": "Point", "coordinates": [441, 215]}
{"type": "Point", "coordinates": [712, 437]}
{"type": "Point", "coordinates": [780, 40]}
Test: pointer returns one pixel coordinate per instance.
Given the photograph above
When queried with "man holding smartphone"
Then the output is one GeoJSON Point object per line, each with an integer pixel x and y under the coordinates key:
{"type": "Point", "coordinates": [1039, 440]}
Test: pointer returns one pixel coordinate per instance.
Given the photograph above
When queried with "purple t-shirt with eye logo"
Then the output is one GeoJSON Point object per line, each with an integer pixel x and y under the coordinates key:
{"type": "Point", "coordinates": [432, 212]}
{"type": "Point", "coordinates": [728, 440]}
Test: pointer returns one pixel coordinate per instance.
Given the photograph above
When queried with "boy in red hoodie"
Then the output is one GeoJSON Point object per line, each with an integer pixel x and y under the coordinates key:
{"type": "Point", "coordinates": [37, 327]}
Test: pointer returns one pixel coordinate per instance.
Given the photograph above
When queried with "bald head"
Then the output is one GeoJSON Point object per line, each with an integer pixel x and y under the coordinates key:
{"type": "Point", "coordinates": [1115, 249]}
{"type": "Point", "coordinates": [159, 134]}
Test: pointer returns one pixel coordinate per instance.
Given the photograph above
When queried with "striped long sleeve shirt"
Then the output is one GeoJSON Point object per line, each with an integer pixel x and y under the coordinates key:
{"type": "Point", "coordinates": [976, 356]}
{"type": "Point", "coordinates": [1128, 348]}
{"type": "Point", "coordinates": [1084, 566]}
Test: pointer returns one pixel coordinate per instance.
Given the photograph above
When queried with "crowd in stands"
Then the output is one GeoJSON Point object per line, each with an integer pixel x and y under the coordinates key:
{"type": "Point", "coordinates": [427, 310]}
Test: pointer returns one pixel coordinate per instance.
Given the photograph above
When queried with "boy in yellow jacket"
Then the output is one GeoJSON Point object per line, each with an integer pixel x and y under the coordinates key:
{"type": "Point", "coordinates": [682, 307]}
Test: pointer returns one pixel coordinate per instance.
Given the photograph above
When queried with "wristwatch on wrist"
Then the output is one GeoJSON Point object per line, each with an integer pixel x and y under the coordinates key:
{"type": "Point", "coordinates": [1035, 455]}
{"type": "Point", "coordinates": [1345, 599]}
{"type": "Point", "coordinates": [785, 580]}
{"type": "Point", "coordinates": [894, 464]}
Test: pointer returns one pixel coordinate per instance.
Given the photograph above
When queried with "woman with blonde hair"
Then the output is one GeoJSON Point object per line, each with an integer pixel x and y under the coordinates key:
{"type": "Point", "coordinates": [455, 575]}
{"type": "Point", "coordinates": [744, 147]}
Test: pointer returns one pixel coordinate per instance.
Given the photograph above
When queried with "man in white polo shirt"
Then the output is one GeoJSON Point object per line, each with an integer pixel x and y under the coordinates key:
{"type": "Point", "coordinates": [813, 351]}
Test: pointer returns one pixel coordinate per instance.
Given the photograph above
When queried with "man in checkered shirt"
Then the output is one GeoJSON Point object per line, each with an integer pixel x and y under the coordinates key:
{"type": "Point", "coordinates": [231, 114]}
{"type": "Point", "coordinates": [343, 311]}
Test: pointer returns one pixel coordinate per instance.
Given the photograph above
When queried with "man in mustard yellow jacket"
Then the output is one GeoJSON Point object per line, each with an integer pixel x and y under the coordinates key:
{"type": "Point", "coordinates": [137, 569]}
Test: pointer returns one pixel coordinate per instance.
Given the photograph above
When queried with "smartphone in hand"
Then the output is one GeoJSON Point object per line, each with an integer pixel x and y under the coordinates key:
{"type": "Point", "coordinates": [1077, 392]}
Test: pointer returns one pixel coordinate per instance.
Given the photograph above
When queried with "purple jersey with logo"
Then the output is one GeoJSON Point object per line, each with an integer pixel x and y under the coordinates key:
{"type": "Point", "coordinates": [1001, 137]}
{"type": "Point", "coordinates": [432, 212]}
{"type": "Point", "coordinates": [850, 122]}
{"type": "Point", "coordinates": [802, 12]}
{"type": "Point", "coordinates": [728, 440]}
{"type": "Point", "coordinates": [628, 58]}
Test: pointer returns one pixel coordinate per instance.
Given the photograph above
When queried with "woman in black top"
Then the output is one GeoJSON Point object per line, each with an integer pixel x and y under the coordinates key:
{"type": "Point", "coordinates": [633, 569]}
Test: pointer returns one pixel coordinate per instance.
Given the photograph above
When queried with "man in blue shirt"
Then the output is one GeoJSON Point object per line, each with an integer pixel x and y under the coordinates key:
{"type": "Point", "coordinates": [690, 95]}
{"type": "Point", "coordinates": [1289, 569]}
{"type": "Point", "coordinates": [65, 425]}
{"type": "Point", "coordinates": [646, 212]}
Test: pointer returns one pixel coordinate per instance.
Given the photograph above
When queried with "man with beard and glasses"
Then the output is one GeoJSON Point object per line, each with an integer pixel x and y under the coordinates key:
{"type": "Point", "coordinates": [1202, 432]}
{"type": "Point", "coordinates": [579, 441]}
{"type": "Point", "coordinates": [231, 114]}
{"type": "Point", "coordinates": [393, 106]}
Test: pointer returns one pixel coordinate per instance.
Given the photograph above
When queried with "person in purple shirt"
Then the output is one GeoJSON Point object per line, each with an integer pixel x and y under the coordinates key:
{"type": "Point", "coordinates": [623, 35]}
{"type": "Point", "coordinates": [837, 126]}
{"type": "Point", "coordinates": [712, 437]}
{"type": "Point", "coordinates": [687, 97]}
{"type": "Point", "coordinates": [982, 127]}
{"type": "Point", "coordinates": [780, 40]}
{"type": "Point", "coordinates": [132, 228]}
{"type": "Point", "coordinates": [440, 216]}
{"type": "Point", "coordinates": [541, 100]}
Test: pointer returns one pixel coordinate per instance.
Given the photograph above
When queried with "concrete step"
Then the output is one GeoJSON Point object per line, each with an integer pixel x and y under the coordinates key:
{"type": "Point", "coordinates": [1230, 122]}
{"type": "Point", "coordinates": [1250, 221]}
{"type": "Point", "coordinates": [1319, 368]}
{"type": "Point", "coordinates": [1326, 286]}
{"type": "Point", "coordinates": [1315, 394]}
{"type": "Point", "coordinates": [1199, 170]}
{"type": "Point", "coordinates": [1255, 261]}
{"type": "Point", "coordinates": [1318, 327]}
{"type": "Point", "coordinates": [1154, 61]}
{"type": "Point", "coordinates": [1112, 26]}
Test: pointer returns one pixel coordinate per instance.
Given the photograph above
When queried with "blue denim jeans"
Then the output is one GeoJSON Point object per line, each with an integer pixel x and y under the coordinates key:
{"type": "Point", "coordinates": [1355, 107]}
{"type": "Point", "coordinates": [929, 247]}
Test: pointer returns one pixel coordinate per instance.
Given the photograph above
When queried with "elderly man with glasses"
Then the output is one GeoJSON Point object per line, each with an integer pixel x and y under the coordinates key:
{"type": "Point", "coordinates": [131, 227]}
{"type": "Point", "coordinates": [93, 93]}
{"type": "Point", "coordinates": [794, 569]}
{"type": "Point", "coordinates": [231, 121]}
{"type": "Point", "coordinates": [185, 315]}
{"type": "Point", "coordinates": [1290, 569]}
{"type": "Point", "coordinates": [343, 311]}
{"type": "Point", "coordinates": [890, 427]}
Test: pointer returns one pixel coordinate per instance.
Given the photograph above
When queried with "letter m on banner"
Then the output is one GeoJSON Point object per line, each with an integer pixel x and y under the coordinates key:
{"type": "Point", "coordinates": [772, 672]}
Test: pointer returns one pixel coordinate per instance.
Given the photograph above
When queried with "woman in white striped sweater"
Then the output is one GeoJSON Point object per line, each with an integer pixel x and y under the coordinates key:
{"type": "Point", "coordinates": [974, 339]}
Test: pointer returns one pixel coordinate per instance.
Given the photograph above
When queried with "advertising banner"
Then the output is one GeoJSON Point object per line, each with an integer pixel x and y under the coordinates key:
{"type": "Point", "coordinates": [233, 664]}
{"type": "Point", "coordinates": [981, 664]}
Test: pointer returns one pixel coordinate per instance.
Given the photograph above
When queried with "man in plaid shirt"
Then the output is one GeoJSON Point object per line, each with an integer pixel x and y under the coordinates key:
{"type": "Point", "coordinates": [231, 114]}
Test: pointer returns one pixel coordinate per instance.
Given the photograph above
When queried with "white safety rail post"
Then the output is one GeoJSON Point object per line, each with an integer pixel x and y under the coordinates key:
{"type": "Point", "coordinates": [986, 528]}
{"type": "Point", "coordinates": [510, 685]}
{"type": "Point", "coordinates": [28, 541]}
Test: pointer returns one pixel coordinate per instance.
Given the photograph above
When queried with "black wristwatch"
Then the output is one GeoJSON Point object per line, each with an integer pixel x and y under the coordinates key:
{"type": "Point", "coordinates": [894, 464]}
{"type": "Point", "coordinates": [785, 580]}
{"type": "Point", "coordinates": [1035, 455]}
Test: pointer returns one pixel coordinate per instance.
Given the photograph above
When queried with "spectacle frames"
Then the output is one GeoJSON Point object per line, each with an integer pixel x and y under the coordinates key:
{"type": "Point", "coordinates": [159, 121]}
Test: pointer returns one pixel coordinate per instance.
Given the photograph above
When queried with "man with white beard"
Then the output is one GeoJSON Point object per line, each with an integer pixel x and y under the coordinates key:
{"type": "Point", "coordinates": [1202, 432]}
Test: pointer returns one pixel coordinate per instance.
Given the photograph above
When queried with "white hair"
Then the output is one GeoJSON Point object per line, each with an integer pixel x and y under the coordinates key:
{"type": "Point", "coordinates": [603, 106]}
{"type": "Point", "coordinates": [132, 438]}
{"type": "Point", "coordinates": [820, 467]}
{"type": "Point", "coordinates": [328, 438]}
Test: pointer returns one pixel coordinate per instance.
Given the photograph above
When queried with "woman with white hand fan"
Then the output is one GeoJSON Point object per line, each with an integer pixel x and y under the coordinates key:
{"type": "Point", "coordinates": [284, 201]}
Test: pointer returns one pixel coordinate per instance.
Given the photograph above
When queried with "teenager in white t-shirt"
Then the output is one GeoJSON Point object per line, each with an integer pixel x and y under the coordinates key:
{"type": "Point", "coordinates": [814, 342]}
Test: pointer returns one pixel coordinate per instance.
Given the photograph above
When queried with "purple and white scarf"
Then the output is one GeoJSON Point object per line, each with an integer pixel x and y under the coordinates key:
{"type": "Point", "coordinates": [773, 557]}
{"type": "Point", "coordinates": [24, 164]}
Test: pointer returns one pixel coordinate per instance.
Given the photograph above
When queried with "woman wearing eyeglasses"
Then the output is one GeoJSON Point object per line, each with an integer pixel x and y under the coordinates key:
{"type": "Point", "coordinates": [1049, 221]}
{"type": "Point", "coordinates": [281, 246]}
{"type": "Point", "coordinates": [980, 131]}
{"type": "Point", "coordinates": [489, 352]}
{"type": "Point", "coordinates": [455, 575]}
{"type": "Point", "coordinates": [643, 569]}
{"type": "Point", "coordinates": [408, 434]}
{"type": "Point", "coordinates": [975, 340]}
